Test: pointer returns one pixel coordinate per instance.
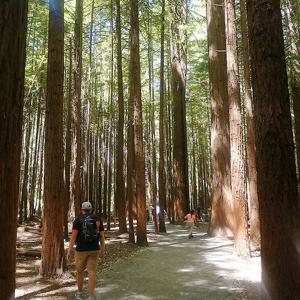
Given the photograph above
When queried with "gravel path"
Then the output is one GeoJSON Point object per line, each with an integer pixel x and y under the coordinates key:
{"type": "Point", "coordinates": [178, 268]}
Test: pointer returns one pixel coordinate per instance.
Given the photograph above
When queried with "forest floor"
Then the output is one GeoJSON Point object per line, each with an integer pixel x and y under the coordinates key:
{"type": "Point", "coordinates": [172, 267]}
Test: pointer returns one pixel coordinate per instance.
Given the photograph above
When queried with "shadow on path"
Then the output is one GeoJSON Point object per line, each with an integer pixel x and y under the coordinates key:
{"type": "Point", "coordinates": [178, 268]}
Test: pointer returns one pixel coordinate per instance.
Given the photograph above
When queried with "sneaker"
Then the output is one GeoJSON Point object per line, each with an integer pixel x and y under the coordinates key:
{"type": "Point", "coordinates": [92, 298]}
{"type": "Point", "coordinates": [79, 296]}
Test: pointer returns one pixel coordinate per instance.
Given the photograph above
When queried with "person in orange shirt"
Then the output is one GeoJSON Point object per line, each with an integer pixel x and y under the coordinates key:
{"type": "Point", "coordinates": [190, 221]}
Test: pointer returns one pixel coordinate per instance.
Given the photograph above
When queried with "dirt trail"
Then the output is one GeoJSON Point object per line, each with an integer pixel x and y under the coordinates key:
{"type": "Point", "coordinates": [178, 268]}
{"type": "Point", "coordinates": [174, 268]}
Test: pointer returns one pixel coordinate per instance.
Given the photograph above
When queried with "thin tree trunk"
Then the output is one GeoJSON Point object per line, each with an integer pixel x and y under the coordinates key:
{"type": "Point", "coordinates": [68, 149]}
{"type": "Point", "coordinates": [53, 221]}
{"type": "Point", "coordinates": [91, 169]}
{"type": "Point", "coordinates": [193, 171]}
{"type": "Point", "coordinates": [151, 136]}
{"type": "Point", "coordinates": [13, 20]}
{"type": "Point", "coordinates": [276, 172]}
{"type": "Point", "coordinates": [169, 149]}
{"type": "Point", "coordinates": [41, 173]}
{"type": "Point", "coordinates": [109, 191]}
{"type": "Point", "coordinates": [34, 165]}
{"type": "Point", "coordinates": [105, 170]}
{"type": "Point", "coordinates": [23, 215]}
{"type": "Point", "coordinates": [77, 115]}
{"type": "Point", "coordinates": [130, 195]}
{"type": "Point", "coordinates": [162, 146]}
{"type": "Point", "coordinates": [120, 180]}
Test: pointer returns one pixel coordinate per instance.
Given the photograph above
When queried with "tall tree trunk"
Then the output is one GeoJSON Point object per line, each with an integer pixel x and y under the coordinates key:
{"type": "Point", "coordinates": [77, 116]}
{"type": "Point", "coordinates": [239, 197]}
{"type": "Point", "coordinates": [194, 203]}
{"type": "Point", "coordinates": [105, 177]}
{"type": "Point", "coordinates": [52, 244]}
{"type": "Point", "coordinates": [120, 181]}
{"type": "Point", "coordinates": [222, 221]}
{"type": "Point", "coordinates": [169, 146]}
{"type": "Point", "coordinates": [24, 196]}
{"type": "Point", "coordinates": [91, 169]}
{"type": "Point", "coordinates": [111, 118]}
{"type": "Point", "coordinates": [151, 137]}
{"type": "Point", "coordinates": [68, 147]}
{"type": "Point", "coordinates": [293, 15]}
{"type": "Point", "coordinates": [41, 173]}
{"type": "Point", "coordinates": [252, 173]}
{"type": "Point", "coordinates": [96, 172]}
{"type": "Point", "coordinates": [180, 160]}
{"type": "Point", "coordinates": [38, 132]}
{"type": "Point", "coordinates": [13, 20]}
{"type": "Point", "coordinates": [109, 182]}
{"type": "Point", "coordinates": [162, 146]}
{"type": "Point", "coordinates": [130, 195]}
{"type": "Point", "coordinates": [135, 94]}
{"type": "Point", "coordinates": [276, 172]}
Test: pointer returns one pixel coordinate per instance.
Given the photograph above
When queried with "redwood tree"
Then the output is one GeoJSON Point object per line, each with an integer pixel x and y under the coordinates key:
{"type": "Point", "coordinates": [239, 197]}
{"type": "Point", "coordinates": [221, 220]}
{"type": "Point", "coordinates": [180, 162]}
{"type": "Point", "coordinates": [76, 112]}
{"type": "Point", "coordinates": [162, 146]}
{"type": "Point", "coordinates": [252, 173]}
{"type": "Point", "coordinates": [135, 94]}
{"type": "Point", "coordinates": [13, 20]}
{"type": "Point", "coordinates": [120, 185]}
{"type": "Point", "coordinates": [276, 172]}
{"type": "Point", "coordinates": [54, 196]}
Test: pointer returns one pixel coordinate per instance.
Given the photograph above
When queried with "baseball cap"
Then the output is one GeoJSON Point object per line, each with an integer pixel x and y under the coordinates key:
{"type": "Point", "coordinates": [86, 206]}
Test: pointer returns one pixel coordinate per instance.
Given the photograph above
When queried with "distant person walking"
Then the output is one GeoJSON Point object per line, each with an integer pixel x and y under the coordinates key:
{"type": "Point", "coordinates": [87, 231]}
{"type": "Point", "coordinates": [190, 222]}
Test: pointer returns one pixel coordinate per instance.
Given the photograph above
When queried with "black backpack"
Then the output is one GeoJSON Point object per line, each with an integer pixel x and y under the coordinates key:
{"type": "Point", "coordinates": [89, 230]}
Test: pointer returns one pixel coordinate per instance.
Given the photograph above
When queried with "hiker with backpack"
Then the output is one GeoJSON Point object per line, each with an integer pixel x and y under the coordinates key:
{"type": "Point", "coordinates": [87, 232]}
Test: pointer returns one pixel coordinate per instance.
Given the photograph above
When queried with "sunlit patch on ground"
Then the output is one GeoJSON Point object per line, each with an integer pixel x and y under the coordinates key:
{"type": "Point", "coordinates": [173, 267]}
{"type": "Point", "coordinates": [179, 268]}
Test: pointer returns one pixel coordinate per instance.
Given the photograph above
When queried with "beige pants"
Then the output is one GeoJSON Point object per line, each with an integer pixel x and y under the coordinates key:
{"type": "Point", "coordinates": [190, 227]}
{"type": "Point", "coordinates": [86, 259]}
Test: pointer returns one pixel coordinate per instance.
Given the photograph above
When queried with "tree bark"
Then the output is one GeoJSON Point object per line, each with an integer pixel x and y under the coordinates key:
{"type": "Point", "coordinates": [38, 132]}
{"type": "Point", "coordinates": [23, 212]}
{"type": "Point", "coordinates": [193, 170]}
{"type": "Point", "coordinates": [77, 116]}
{"type": "Point", "coordinates": [105, 170]}
{"type": "Point", "coordinates": [222, 221]}
{"type": "Point", "coordinates": [162, 146]}
{"type": "Point", "coordinates": [13, 20]}
{"type": "Point", "coordinates": [252, 173]}
{"type": "Point", "coordinates": [276, 172]}
{"type": "Point", "coordinates": [54, 197]}
{"type": "Point", "coordinates": [130, 193]}
{"type": "Point", "coordinates": [237, 166]}
{"type": "Point", "coordinates": [180, 159]}
{"type": "Point", "coordinates": [68, 147]}
{"type": "Point", "coordinates": [135, 94]}
{"type": "Point", "coordinates": [120, 180]}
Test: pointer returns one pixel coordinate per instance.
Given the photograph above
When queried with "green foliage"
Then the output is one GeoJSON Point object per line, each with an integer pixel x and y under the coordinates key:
{"type": "Point", "coordinates": [98, 50]}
